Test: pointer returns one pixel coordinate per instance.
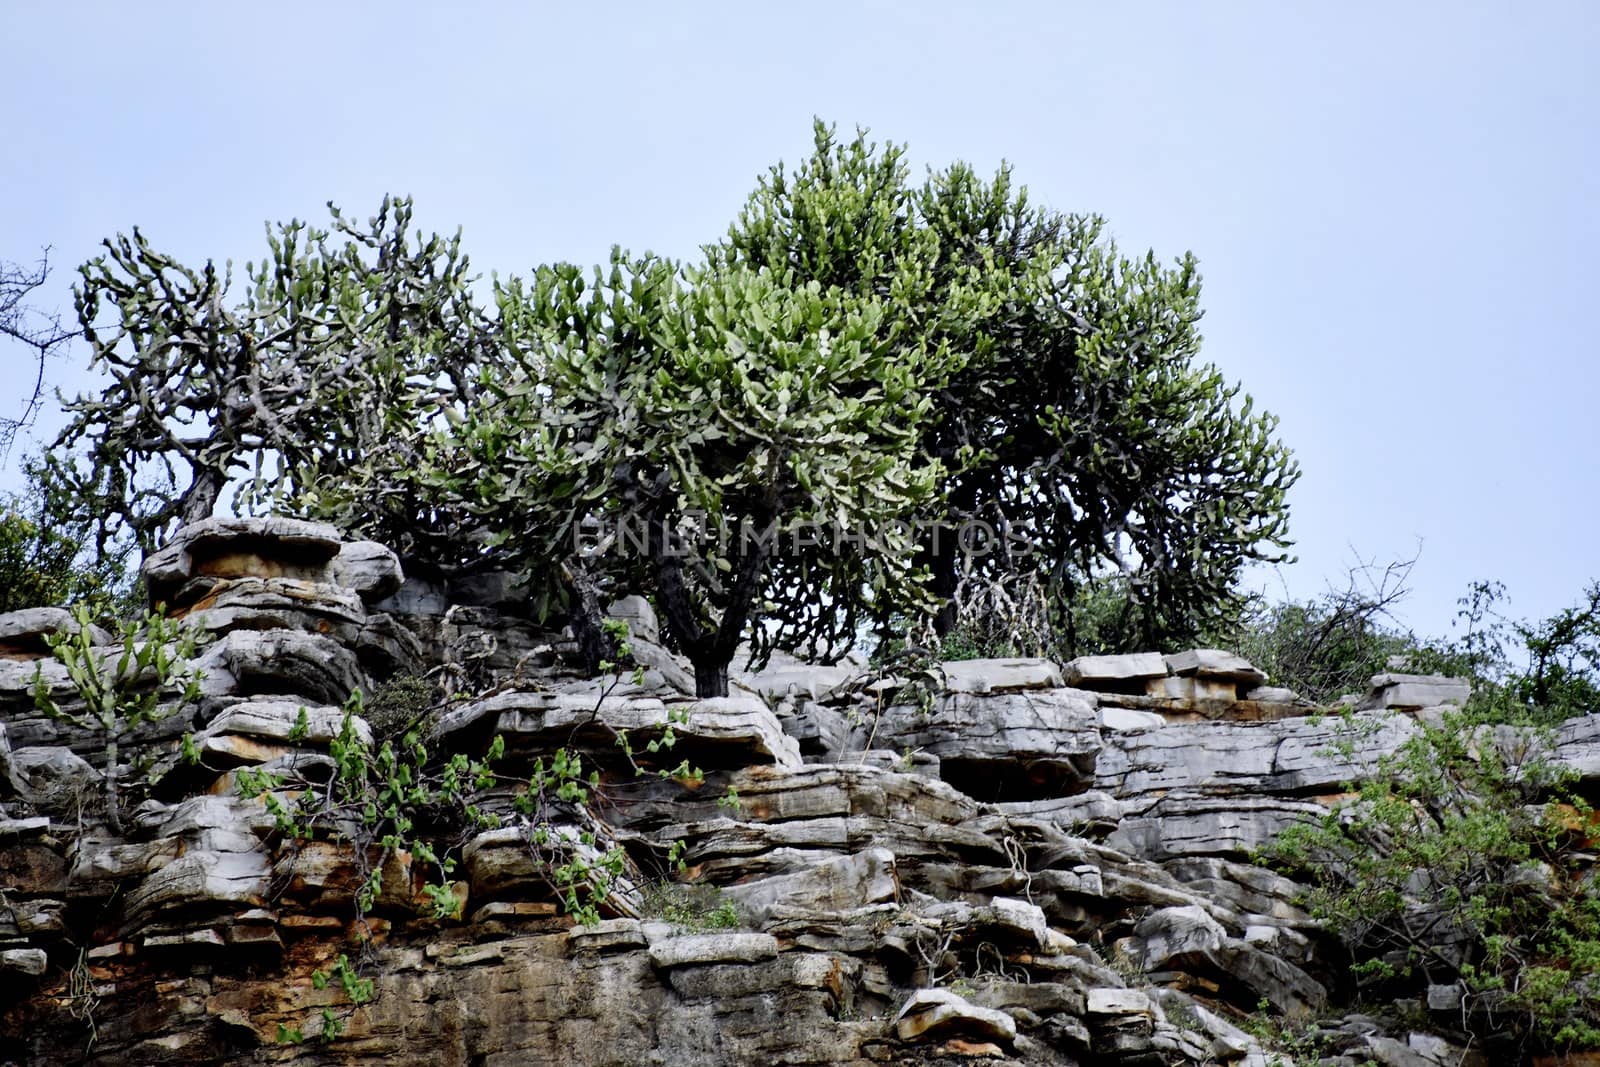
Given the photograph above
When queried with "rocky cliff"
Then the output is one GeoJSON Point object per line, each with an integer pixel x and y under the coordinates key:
{"type": "Point", "coordinates": [1031, 862]}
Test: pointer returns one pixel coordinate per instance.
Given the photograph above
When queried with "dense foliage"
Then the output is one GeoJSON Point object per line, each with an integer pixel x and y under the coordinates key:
{"type": "Point", "coordinates": [147, 675]}
{"type": "Point", "coordinates": [1077, 428]}
{"type": "Point", "coordinates": [1546, 670]}
{"type": "Point", "coordinates": [1461, 874]}
{"type": "Point", "coordinates": [699, 423]}
{"type": "Point", "coordinates": [872, 403]}
{"type": "Point", "coordinates": [48, 554]}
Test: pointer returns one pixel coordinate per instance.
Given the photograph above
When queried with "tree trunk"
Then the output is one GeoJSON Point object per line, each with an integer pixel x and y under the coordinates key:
{"type": "Point", "coordinates": [199, 501]}
{"type": "Point", "coordinates": [594, 644]}
{"type": "Point", "coordinates": [711, 679]}
{"type": "Point", "coordinates": [710, 648]}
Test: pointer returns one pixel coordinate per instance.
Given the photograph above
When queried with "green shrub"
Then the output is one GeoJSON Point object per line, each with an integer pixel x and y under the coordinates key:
{"type": "Point", "coordinates": [48, 558]}
{"type": "Point", "coordinates": [394, 795]}
{"type": "Point", "coordinates": [1560, 677]}
{"type": "Point", "coordinates": [401, 703]}
{"type": "Point", "coordinates": [1463, 861]}
{"type": "Point", "coordinates": [1332, 644]}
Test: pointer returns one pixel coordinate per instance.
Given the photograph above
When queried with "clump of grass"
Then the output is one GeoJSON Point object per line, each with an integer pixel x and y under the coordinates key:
{"type": "Point", "coordinates": [695, 907]}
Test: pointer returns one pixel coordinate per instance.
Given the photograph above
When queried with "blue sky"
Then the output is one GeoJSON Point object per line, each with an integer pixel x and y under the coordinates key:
{"type": "Point", "coordinates": [1395, 206]}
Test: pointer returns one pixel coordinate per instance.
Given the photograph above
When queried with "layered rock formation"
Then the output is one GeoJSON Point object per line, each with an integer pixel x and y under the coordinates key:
{"type": "Point", "coordinates": [1034, 863]}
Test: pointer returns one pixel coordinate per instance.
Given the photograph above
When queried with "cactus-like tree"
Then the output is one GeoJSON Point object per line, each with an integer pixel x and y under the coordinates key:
{"type": "Point", "coordinates": [1081, 425]}
{"type": "Point", "coordinates": [319, 369]}
{"type": "Point", "coordinates": [705, 426]}
{"type": "Point", "coordinates": [778, 442]}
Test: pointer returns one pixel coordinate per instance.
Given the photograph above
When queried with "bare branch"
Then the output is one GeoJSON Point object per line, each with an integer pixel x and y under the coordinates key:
{"type": "Point", "coordinates": [35, 335]}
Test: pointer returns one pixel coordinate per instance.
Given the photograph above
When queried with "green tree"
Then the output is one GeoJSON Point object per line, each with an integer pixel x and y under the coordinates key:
{"type": "Point", "coordinates": [48, 555]}
{"type": "Point", "coordinates": [1080, 425]}
{"type": "Point", "coordinates": [1331, 645]}
{"type": "Point", "coordinates": [862, 372]}
{"type": "Point", "coordinates": [702, 422]}
{"type": "Point", "coordinates": [1562, 676]}
{"type": "Point", "coordinates": [1545, 669]}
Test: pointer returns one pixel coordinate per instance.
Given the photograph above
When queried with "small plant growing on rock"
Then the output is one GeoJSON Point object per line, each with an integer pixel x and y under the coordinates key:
{"type": "Point", "coordinates": [694, 907]}
{"type": "Point", "coordinates": [401, 703]}
{"type": "Point", "coordinates": [393, 796]}
{"type": "Point", "coordinates": [146, 677]}
{"type": "Point", "coordinates": [374, 799]}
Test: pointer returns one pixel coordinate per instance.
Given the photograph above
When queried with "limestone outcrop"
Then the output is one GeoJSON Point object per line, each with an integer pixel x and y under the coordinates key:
{"type": "Point", "coordinates": [1031, 863]}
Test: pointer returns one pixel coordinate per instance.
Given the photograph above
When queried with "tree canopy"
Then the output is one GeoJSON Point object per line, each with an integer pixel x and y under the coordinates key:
{"type": "Point", "coordinates": [867, 402]}
{"type": "Point", "coordinates": [316, 374]}
{"type": "Point", "coordinates": [1079, 419]}
{"type": "Point", "coordinates": [702, 424]}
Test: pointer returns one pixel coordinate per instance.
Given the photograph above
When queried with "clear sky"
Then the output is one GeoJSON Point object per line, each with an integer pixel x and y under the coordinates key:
{"type": "Point", "coordinates": [1395, 205]}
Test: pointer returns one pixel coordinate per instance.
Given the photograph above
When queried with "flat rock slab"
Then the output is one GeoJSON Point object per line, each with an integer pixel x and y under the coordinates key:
{"type": "Point", "coordinates": [992, 675]}
{"type": "Point", "coordinates": [1003, 746]}
{"type": "Point", "coordinates": [198, 879]}
{"type": "Point", "coordinates": [1293, 756]}
{"type": "Point", "coordinates": [307, 665]}
{"type": "Point", "coordinates": [1130, 720]}
{"type": "Point", "coordinates": [714, 732]}
{"type": "Point", "coordinates": [26, 961]}
{"type": "Point", "coordinates": [935, 1014]}
{"type": "Point", "coordinates": [221, 605]}
{"type": "Point", "coordinates": [1416, 691]}
{"type": "Point", "coordinates": [278, 719]}
{"type": "Point", "coordinates": [503, 861]}
{"type": "Point", "coordinates": [607, 935]}
{"type": "Point", "coordinates": [1215, 663]}
{"type": "Point", "coordinates": [1118, 1002]}
{"type": "Point", "coordinates": [1578, 746]}
{"type": "Point", "coordinates": [1090, 814]}
{"type": "Point", "coordinates": [1170, 936]}
{"type": "Point", "coordinates": [772, 794]}
{"type": "Point", "coordinates": [1091, 672]}
{"type": "Point", "coordinates": [713, 948]}
{"type": "Point", "coordinates": [814, 682]}
{"type": "Point", "coordinates": [868, 877]}
{"type": "Point", "coordinates": [1181, 825]}
{"type": "Point", "coordinates": [235, 548]}
{"type": "Point", "coordinates": [51, 774]}
{"type": "Point", "coordinates": [24, 632]}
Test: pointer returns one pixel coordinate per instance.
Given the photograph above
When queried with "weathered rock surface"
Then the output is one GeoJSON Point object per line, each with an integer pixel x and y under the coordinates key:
{"type": "Point", "coordinates": [227, 548]}
{"type": "Point", "coordinates": [719, 732]}
{"type": "Point", "coordinates": [1215, 663]}
{"type": "Point", "coordinates": [939, 1013]}
{"type": "Point", "coordinates": [996, 675]}
{"type": "Point", "coordinates": [1039, 865]}
{"type": "Point", "coordinates": [1415, 691]}
{"type": "Point", "coordinates": [1097, 672]}
{"type": "Point", "coordinates": [1013, 745]}
{"type": "Point", "coordinates": [23, 633]}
